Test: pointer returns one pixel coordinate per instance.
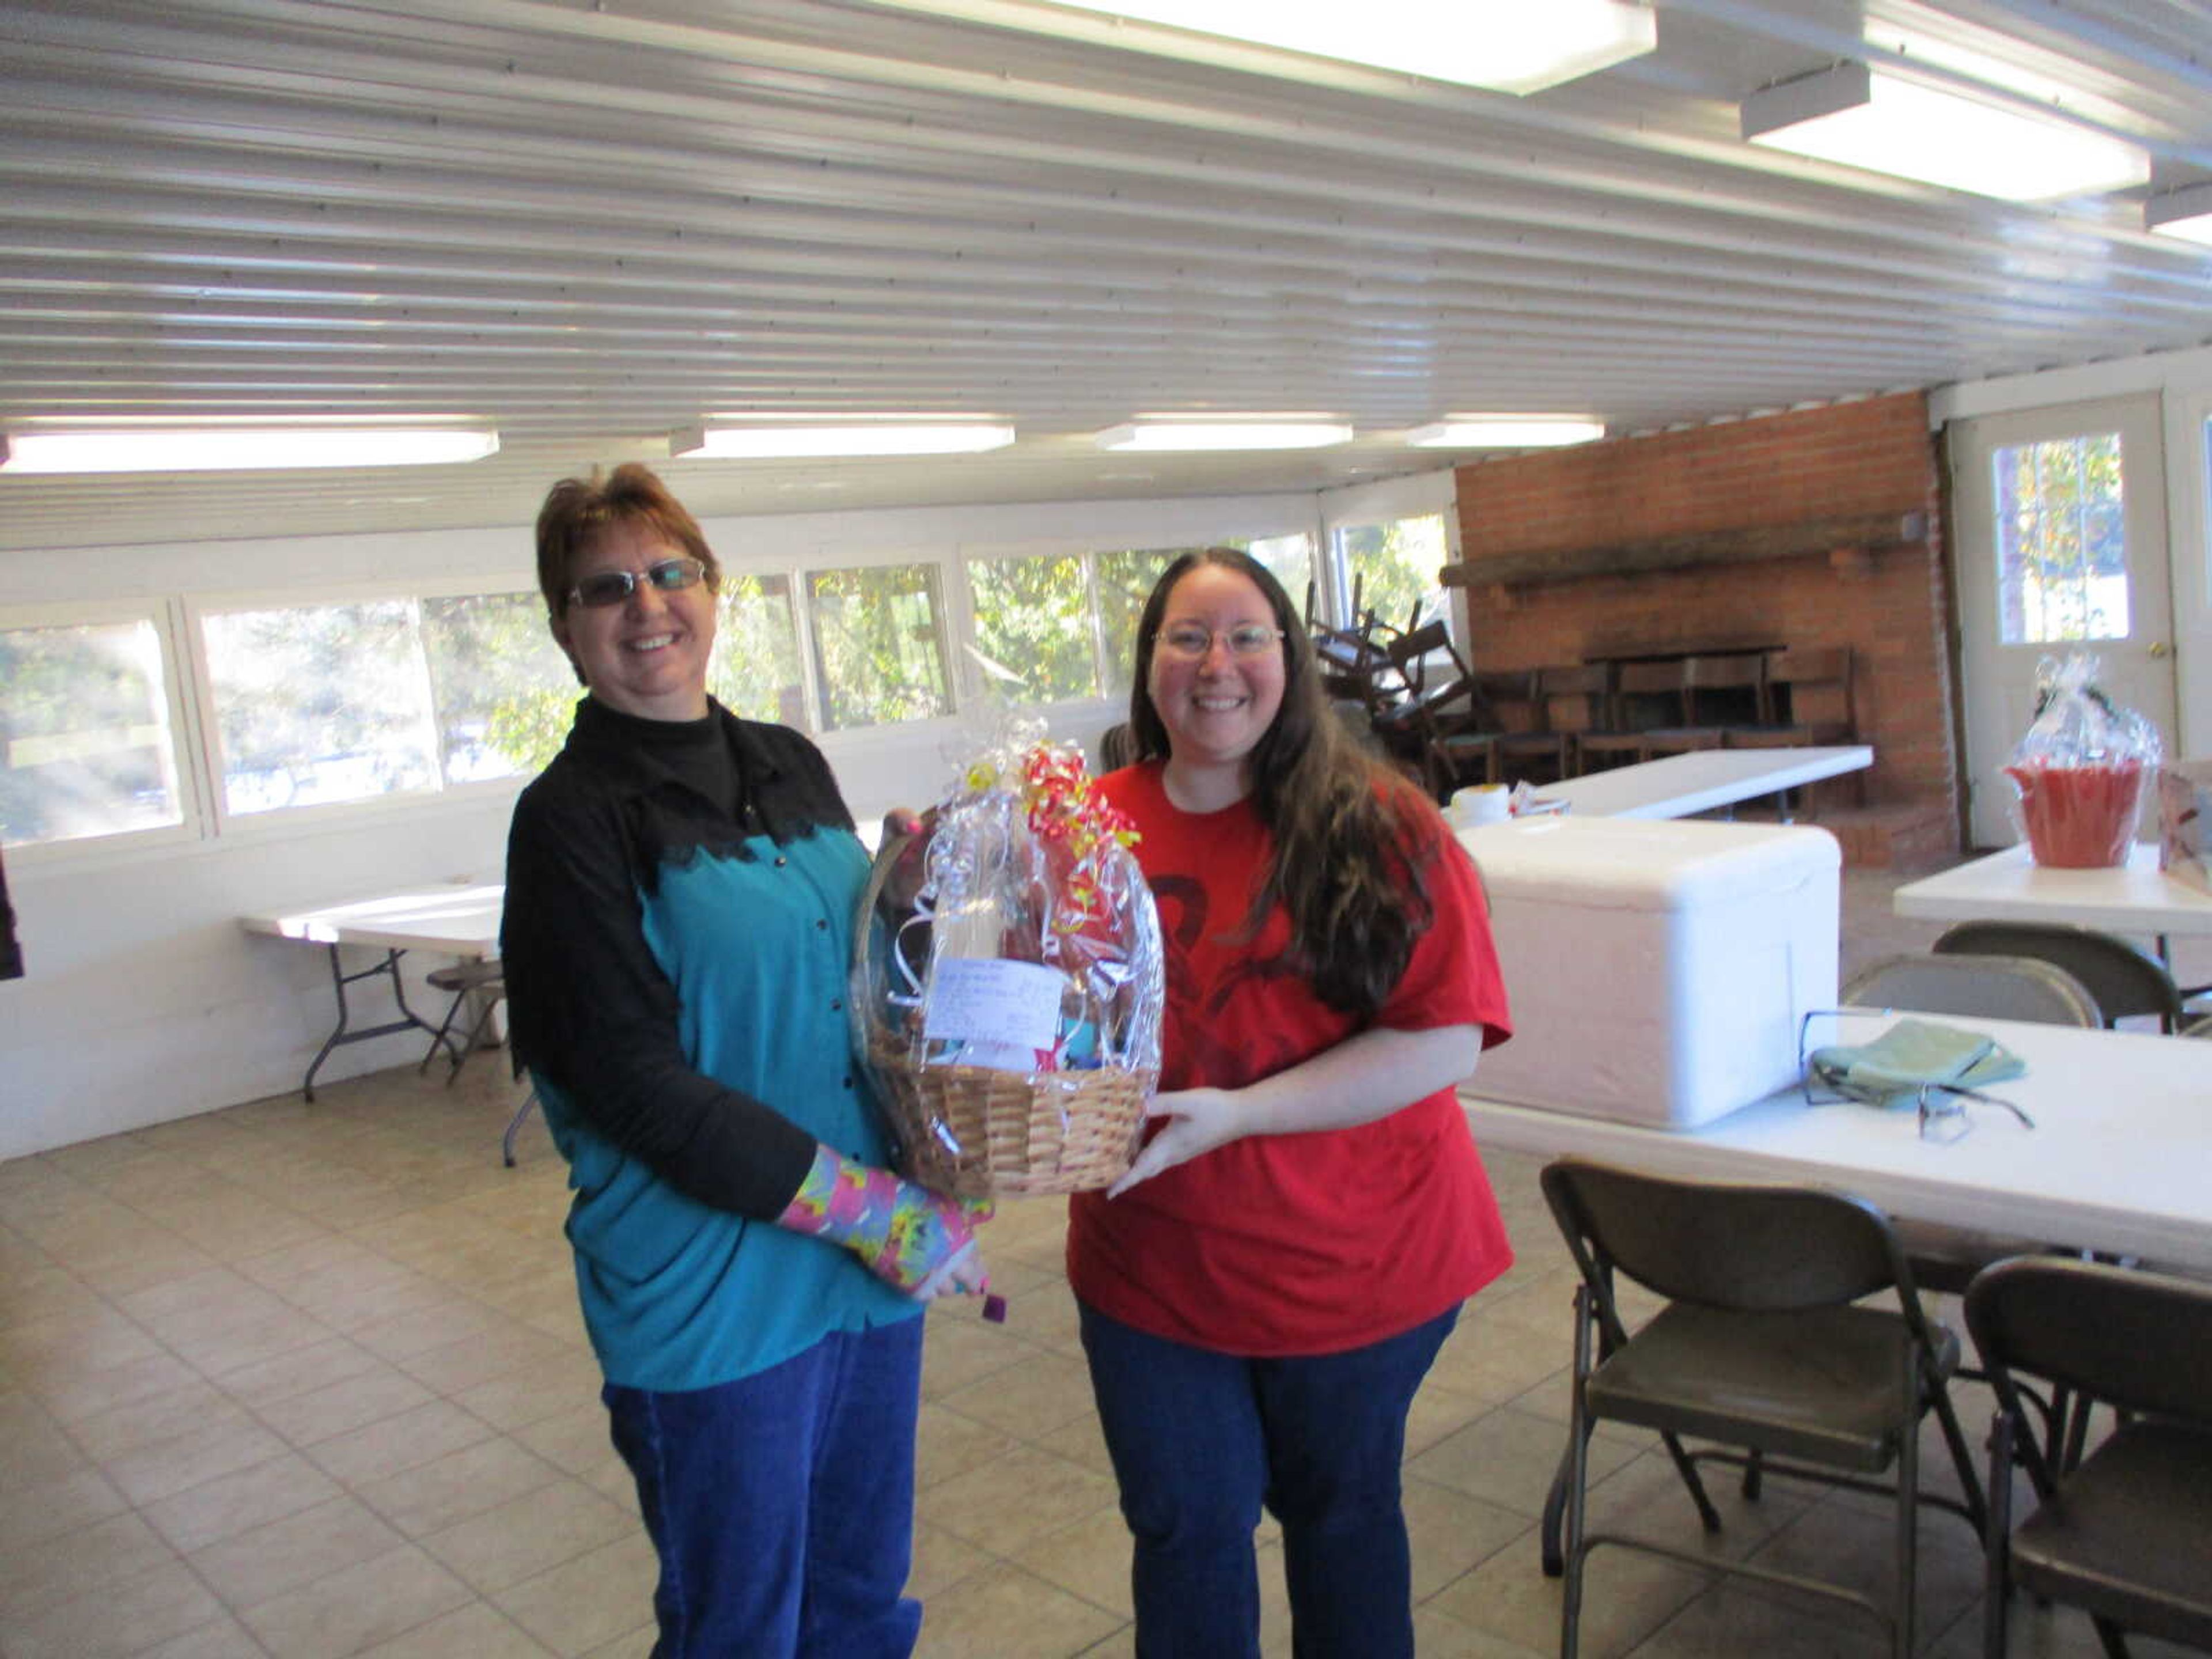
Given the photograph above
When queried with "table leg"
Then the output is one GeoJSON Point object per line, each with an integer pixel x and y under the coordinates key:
{"type": "Point", "coordinates": [342, 1034]}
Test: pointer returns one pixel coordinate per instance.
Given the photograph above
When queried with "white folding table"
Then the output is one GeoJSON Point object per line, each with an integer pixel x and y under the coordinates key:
{"type": "Point", "coordinates": [1680, 786]}
{"type": "Point", "coordinates": [458, 919]}
{"type": "Point", "coordinates": [2115, 1162]}
{"type": "Point", "coordinates": [2010, 886]}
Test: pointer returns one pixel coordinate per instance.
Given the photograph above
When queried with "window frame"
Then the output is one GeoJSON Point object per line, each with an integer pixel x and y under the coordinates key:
{"type": "Point", "coordinates": [178, 691]}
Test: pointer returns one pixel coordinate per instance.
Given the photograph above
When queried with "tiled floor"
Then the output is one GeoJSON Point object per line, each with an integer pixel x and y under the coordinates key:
{"type": "Point", "coordinates": [309, 1381]}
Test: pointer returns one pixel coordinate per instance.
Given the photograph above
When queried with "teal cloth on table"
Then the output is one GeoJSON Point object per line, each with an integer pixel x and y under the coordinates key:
{"type": "Point", "coordinates": [1913, 1055]}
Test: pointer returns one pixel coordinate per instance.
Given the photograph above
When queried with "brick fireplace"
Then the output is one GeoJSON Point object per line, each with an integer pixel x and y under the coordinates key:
{"type": "Point", "coordinates": [1815, 527]}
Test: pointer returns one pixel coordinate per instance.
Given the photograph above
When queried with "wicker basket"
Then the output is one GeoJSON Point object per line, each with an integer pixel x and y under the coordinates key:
{"type": "Point", "coordinates": [978, 1131]}
{"type": "Point", "coordinates": [975, 1132]}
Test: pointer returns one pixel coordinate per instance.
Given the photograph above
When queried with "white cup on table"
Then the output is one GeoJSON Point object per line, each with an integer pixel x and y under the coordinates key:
{"type": "Point", "coordinates": [1478, 803]}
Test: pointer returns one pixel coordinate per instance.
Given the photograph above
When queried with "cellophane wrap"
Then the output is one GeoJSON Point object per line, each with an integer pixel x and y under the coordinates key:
{"type": "Point", "coordinates": [2080, 773]}
{"type": "Point", "coordinates": [1008, 966]}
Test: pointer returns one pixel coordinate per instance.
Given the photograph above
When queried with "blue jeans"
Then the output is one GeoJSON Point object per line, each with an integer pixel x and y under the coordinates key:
{"type": "Point", "coordinates": [1200, 1441]}
{"type": "Point", "coordinates": [782, 1505]}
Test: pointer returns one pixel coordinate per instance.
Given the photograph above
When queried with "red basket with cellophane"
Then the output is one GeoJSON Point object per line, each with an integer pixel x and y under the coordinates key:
{"type": "Point", "coordinates": [2080, 773]}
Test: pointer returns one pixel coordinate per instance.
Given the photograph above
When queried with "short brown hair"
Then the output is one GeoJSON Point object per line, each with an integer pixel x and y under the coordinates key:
{"type": "Point", "coordinates": [577, 509]}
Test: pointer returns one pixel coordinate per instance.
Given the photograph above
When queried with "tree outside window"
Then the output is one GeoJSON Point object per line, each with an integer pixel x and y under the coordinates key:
{"type": "Point", "coordinates": [2062, 540]}
{"type": "Point", "coordinates": [1033, 620]}
{"type": "Point", "coordinates": [1124, 581]}
{"type": "Point", "coordinates": [879, 645]}
{"type": "Point", "coordinates": [755, 672]}
{"type": "Point", "coordinates": [503, 691]}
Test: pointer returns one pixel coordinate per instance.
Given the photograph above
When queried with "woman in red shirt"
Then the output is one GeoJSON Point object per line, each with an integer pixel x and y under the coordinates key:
{"type": "Point", "coordinates": [1263, 1292]}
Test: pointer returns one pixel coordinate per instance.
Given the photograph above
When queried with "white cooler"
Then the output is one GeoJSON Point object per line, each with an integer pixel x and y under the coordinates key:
{"type": "Point", "coordinates": [1658, 968]}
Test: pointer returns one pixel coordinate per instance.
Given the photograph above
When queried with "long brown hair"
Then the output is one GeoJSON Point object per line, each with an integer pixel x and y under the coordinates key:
{"type": "Point", "coordinates": [1345, 866]}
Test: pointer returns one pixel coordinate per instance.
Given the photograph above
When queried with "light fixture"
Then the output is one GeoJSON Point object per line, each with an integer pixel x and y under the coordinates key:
{"type": "Point", "coordinates": [1850, 114]}
{"type": "Point", "coordinates": [2186, 213]}
{"type": "Point", "coordinates": [1505, 45]}
{"type": "Point", "coordinates": [228, 449]}
{"type": "Point", "coordinates": [1506, 432]}
{"type": "Point", "coordinates": [1226, 432]}
{"type": "Point", "coordinates": [883, 436]}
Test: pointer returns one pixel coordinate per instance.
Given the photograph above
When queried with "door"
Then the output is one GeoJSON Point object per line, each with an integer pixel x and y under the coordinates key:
{"type": "Point", "coordinates": [2060, 519]}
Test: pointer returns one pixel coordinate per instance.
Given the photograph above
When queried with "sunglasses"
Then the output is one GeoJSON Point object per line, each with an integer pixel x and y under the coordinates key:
{"type": "Point", "coordinates": [605, 587]}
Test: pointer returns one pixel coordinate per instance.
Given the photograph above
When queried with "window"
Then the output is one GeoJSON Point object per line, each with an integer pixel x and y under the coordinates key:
{"type": "Point", "coordinates": [89, 740]}
{"type": "Point", "coordinates": [2061, 540]}
{"type": "Point", "coordinates": [503, 688]}
{"type": "Point", "coordinates": [879, 655]}
{"type": "Point", "coordinates": [1124, 581]}
{"type": "Point", "coordinates": [1391, 569]}
{"type": "Point", "coordinates": [1033, 621]}
{"type": "Point", "coordinates": [319, 704]}
{"type": "Point", "coordinates": [755, 671]}
{"type": "Point", "coordinates": [1289, 560]}
{"type": "Point", "coordinates": [1069, 635]}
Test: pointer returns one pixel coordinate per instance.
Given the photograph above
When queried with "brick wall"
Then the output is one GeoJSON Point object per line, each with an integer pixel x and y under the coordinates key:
{"type": "Point", "coordinates": [1889, 605]}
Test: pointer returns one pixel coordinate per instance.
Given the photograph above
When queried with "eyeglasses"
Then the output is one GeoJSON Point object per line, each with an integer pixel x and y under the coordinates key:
{"type": "Point", "coordinates": [1193, 641]}
{"type": "Point", "coordinates": [605, 587]}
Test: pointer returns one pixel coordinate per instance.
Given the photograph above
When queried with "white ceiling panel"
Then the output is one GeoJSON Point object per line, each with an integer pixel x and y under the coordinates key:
{"type": "Point", "coordinates": [591, 222]}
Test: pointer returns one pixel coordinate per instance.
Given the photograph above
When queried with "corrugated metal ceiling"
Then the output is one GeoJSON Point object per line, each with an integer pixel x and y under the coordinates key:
{"type": "Point", "coordinates": [593, 223]}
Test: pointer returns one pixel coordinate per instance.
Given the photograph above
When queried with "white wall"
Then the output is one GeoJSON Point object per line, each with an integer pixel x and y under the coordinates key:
{"type": "Point", "coordinates": [2183, 382]}
{"type": "Point", "coordinates": [144, 1000]}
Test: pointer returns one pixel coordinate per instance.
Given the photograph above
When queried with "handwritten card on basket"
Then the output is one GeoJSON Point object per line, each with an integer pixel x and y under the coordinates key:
{"type": "Point", "coordinates": [990, 1003]}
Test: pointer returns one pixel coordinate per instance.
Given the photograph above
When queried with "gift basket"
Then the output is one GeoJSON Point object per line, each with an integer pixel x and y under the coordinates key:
{"type": "Point", "coordinates": [2080, 773]}
{"type": "Point", "coordinates": [1007, 982]}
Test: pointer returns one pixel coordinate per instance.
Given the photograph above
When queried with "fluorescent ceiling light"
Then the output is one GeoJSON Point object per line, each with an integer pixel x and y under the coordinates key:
{"type": "Point", "coordinates": [1506, 432]}
{"type": "Point", "coordinates": [1248, 433]}
{"type": "Point", "coordinates": [229, 449]}
{"type": "Point", "coordinates": [855, 438]}
{"type": "Point", "coordinates": [2186, 213]}
{"type": "Point", "coordinates": [1506, 46]}
{"type": "Point", "coordinates": [1852, 115]}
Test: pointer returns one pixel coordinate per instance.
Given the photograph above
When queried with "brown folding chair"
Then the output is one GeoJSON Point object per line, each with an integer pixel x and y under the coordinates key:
{"type": "Point", "coordinates": [2126, 1533]}
{"type": "Point", "coordinates": [2125, 980]}
{"type": "Point", "coordinates": [1763, 1347]}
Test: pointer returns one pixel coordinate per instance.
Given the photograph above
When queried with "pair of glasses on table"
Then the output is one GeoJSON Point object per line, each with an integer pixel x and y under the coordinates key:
{"type": "Point", "coordinates": [604, 587]}
{"type": "Point", "coordinates": [1941, 1107]}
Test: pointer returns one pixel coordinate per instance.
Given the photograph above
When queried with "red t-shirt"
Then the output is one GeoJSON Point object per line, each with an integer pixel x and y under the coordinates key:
{"type": "Point", "coordinates": [1303, 1243]}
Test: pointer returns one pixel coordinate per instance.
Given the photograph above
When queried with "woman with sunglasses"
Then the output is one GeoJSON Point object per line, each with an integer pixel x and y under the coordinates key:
{"type": "Point", "coordinates": [1264, 1291]}
{"type": "Point", "coordinates": [680, 894]}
